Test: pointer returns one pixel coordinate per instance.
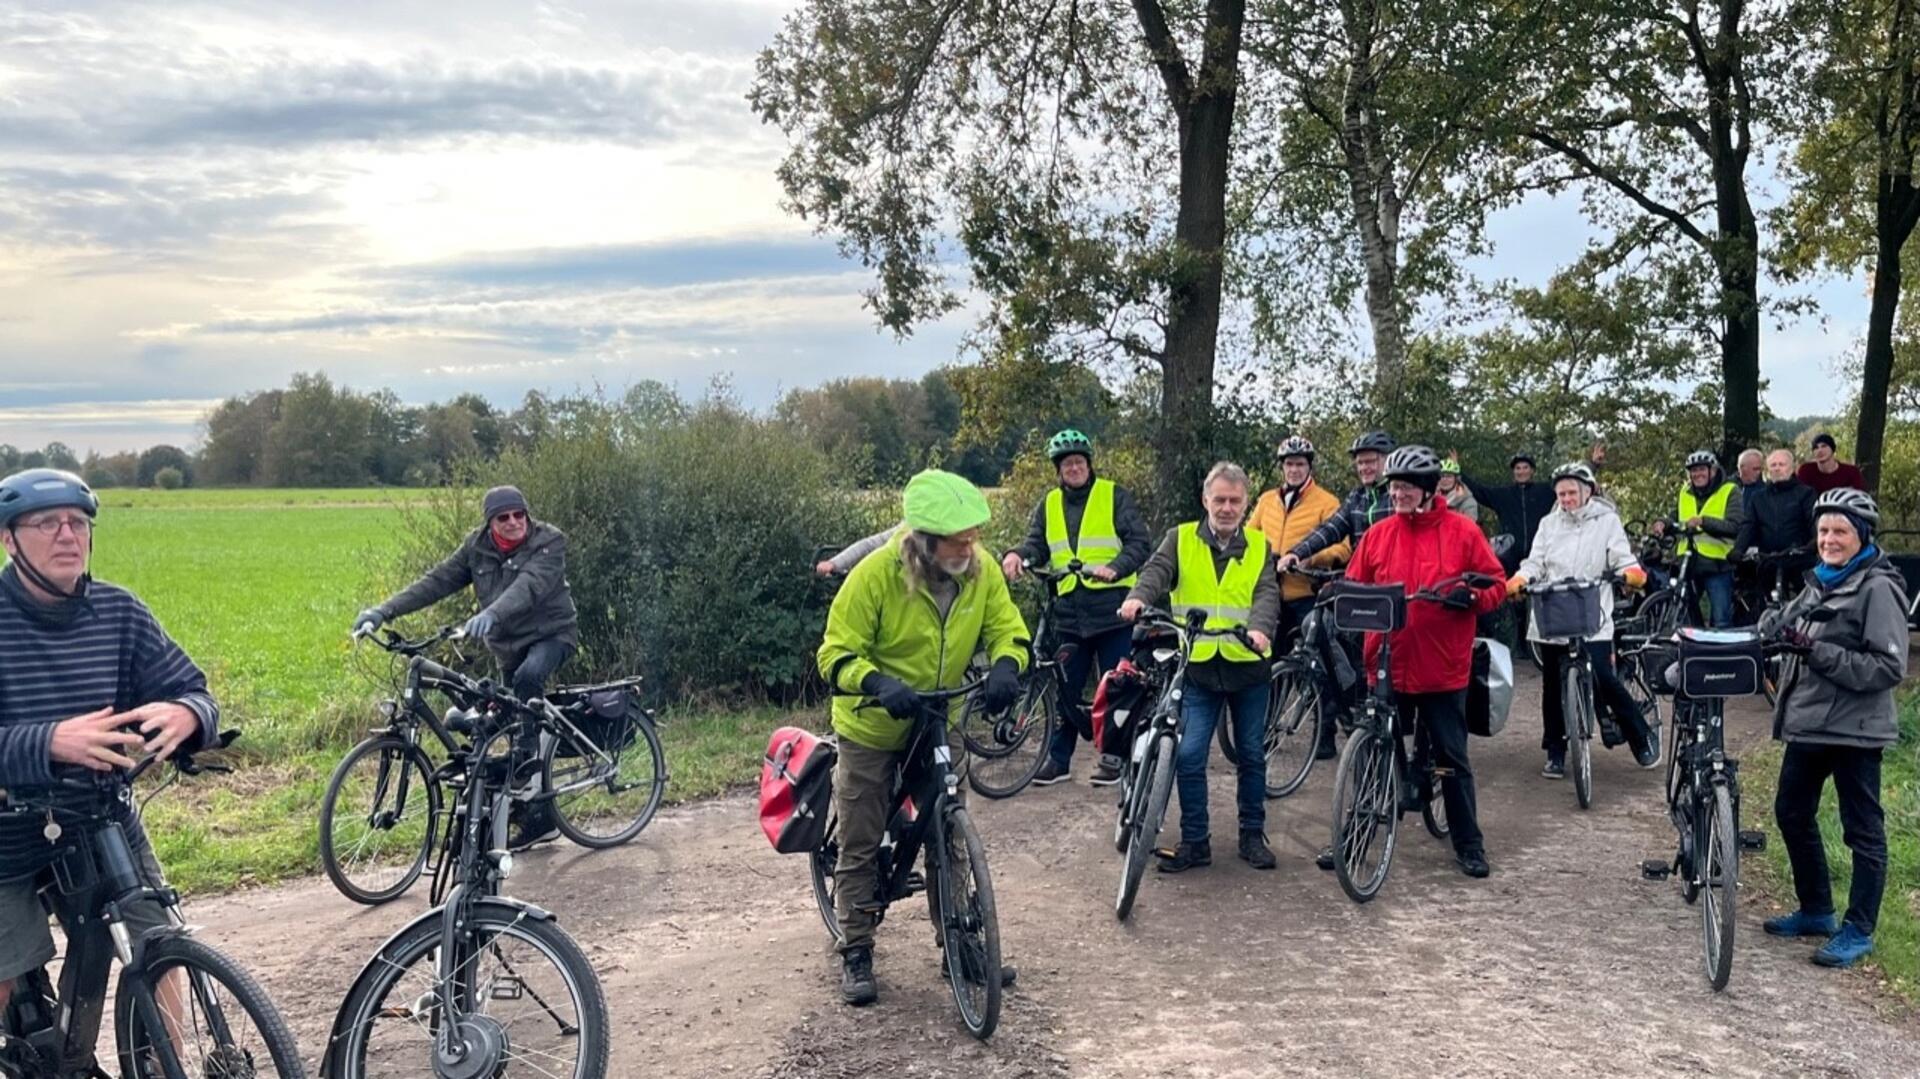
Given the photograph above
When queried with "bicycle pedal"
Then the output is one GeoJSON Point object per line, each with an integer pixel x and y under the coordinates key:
{"type": "Point", "coordinates": [1656, 869]}
{"type": "Point", "coordinates": [1753, 841]}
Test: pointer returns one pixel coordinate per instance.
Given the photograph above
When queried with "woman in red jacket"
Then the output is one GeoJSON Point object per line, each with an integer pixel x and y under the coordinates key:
{"type": "Point", "coordinates": [1420, 546]}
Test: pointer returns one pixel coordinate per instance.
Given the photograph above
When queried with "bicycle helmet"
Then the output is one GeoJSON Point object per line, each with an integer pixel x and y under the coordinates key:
{"type": "Point", "coordinates": [1574, 470]}
{"type": "Point", "coordinates": [1295, 446]}
{"type": "Point", "coordinates": [1417, 465]}
{"type": "Point", "coordinates": [1853, 503]}
{"type": "Point", "coordinates": [43, 489]}
{"type": "Point", "coordinates": [1703, 459]}
{"type": "Point", "coordinates": [1068, 443]}
{"type": "Point", "coordinates": [943, 504]}
{"type": "Point", "coordinates": [1377, 441]}
{"type": "Point", "coordinates": [1522, 456]}
{"type": "Point", "coordinates": [1450, 466]}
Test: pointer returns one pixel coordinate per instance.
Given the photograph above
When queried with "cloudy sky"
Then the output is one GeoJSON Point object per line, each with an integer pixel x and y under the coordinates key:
{"type": "Point", "coordinates": [202, 198]}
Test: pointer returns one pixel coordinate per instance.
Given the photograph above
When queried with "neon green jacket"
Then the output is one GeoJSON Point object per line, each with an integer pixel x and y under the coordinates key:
{"type": "Point", "coordinates": [875, 625]}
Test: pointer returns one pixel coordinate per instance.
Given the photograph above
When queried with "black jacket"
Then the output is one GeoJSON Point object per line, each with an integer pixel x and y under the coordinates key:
{"type": "Point", "coordinates": [1088, 612]}
{"type": "Point", "coordinates": [1363, 508]}
{"type": "Point", "coordinates": [526, 590]}
{"type": "Point", "coordinates": [1519, 506]}
{"type": "Point", "coordinates": [1779, 517]}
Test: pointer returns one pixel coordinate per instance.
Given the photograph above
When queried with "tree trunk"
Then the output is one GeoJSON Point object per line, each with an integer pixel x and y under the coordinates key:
{"type": "Point", "coordinates": [1894, 221]}
{"type": "Point", "coordinates": [1376, 207]}
{"type": "Point", "coordinates": [1740, 346]}
{"type": "Point", "coordinates": [1736, 243]}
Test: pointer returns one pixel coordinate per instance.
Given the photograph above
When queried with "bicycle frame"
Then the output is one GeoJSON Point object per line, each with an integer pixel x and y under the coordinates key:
{"type": "Point", "coordinates": [925, 785]}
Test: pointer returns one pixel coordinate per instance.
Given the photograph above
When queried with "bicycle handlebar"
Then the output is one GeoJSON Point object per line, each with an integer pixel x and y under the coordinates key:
{"type": "Point", "coordinates": [1434, 593]}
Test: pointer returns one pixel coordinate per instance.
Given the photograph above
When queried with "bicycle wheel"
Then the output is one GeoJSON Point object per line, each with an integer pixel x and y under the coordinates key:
{"type": "Point", "coordinates": [1576, 707]}
{"type": "Point", "coordinates": [1365, 805]}
{"type": "Point", "coordinates": [823, 862]}
{"type": "Point", "coordinates": [1660, 612]}
{"type": "Point", "coordinates": [1223, 734]}
{"type": "Point", "coordinates": [605, 793]}
{"type": "Point", "coordinates": [1008, 749]}
{"type": "Point", "coordinates": [222, 1023]}
{"type": "Point", "coordinates": [970, 926]}
{"type": "Point", "coordinates": [378, 819]}
{"type": "Point", "coordinates": [522, 986]}
{"type": "Point", "coordinates": [1719, 856]}
{"type": "Point", "coordinates": [1293, 731]}
{"type": "Point", "coordinates": [1647, 701]}
{"type": "Point", "coordinates": [1144, 830]}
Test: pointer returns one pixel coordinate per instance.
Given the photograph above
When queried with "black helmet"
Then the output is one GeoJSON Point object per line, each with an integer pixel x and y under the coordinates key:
{"type": "Point", "coordinates": [1847, 500]}
{"type": "Point", "coordinates": [1702, 459]}
{"type": "Point", "coordinates": [1295, 446]}
{"type": "Point", "coordinates": [44, 489]}
{"type": "Point", "coordinates": [1417, 465]}
{"type": "Point", "coordinates": [1377, 441]}
{"type": "Point", "coordinates": [1523, 455]}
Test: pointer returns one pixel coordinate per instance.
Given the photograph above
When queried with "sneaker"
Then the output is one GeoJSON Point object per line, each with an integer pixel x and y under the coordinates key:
{"type": "Point", "coordinates": [1473, 863]}
{"type": "Point", "coordinates": [1799, 924]}
{"type": "Point", "coordinates": [1255, 852]}
{"type": "Point", "coordinates": [1324, 859]}
{"type": "Point", "coordinates": [1648, 755]}
{"type": "Point", "coordinates": [1106, 773]}
{"type": "Point", "coordinates": [1008, 972]}
{"type": "Point", "coordinates": [1049, 774]}
{"type": "Point", "coordinates": [527, 827]}
{"type": "Point", "coordinates": [857, 986]}
{"type": "Point", "coordinates": [1847, 947]}
{"type": "Point", "coordinates": [1556, 764]}
{"type": "Point", "coordinates": [1187, 856]}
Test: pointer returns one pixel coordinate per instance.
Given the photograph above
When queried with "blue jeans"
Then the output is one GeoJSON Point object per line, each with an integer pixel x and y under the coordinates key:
{"type": "Point", "coordinates": [1199, 711]}
{"type": "Point", "coordinates": [1109, 648]}
{"type": "Point", "coordinates": [1719, 590]}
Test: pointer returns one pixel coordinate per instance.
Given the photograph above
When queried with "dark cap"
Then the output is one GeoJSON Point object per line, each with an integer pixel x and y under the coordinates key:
{"type": "Point", "coordinates": [501, 499]}
{"type": "Point", "coordinates": [1826, 439]}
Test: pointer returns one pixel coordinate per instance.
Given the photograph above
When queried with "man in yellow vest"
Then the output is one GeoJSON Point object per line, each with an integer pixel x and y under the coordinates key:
{"type": "Point", "coordinates": [1226, 568]}
{"type": "Point", "coordinates": [1712, 504]}
{"type": "Point", "coordinates": [1096, 522]}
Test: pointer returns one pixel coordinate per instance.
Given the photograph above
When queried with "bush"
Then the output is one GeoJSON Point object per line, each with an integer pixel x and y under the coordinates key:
{"type": "Point", "coordinates": [424, 474]}
{"type": "Point", "coordinates": [169, 479]}
{"type": "Point", "coordinates": [689, 535]}
{"type": "Point", "coordinates": [99, 478]}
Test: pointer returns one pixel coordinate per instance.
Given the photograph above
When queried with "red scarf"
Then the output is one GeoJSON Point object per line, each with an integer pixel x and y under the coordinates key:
{"type": "Point", "coordinates": [500, 544]}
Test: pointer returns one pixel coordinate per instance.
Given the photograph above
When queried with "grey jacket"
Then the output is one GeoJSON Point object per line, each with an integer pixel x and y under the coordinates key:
{"type": "Point", "coordinates": [1841, 693]}
{"type": "Point", "coordinates": [1162, 572]}
{"type": "Point", "coordinates": [526, 590]}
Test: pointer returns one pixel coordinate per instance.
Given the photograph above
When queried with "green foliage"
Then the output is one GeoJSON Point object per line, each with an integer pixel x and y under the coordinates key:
{"type": "Point", "coordinates": [101, 478]}
{"type": "Point", "coordinates": [159, 458]}
{"type": "Point", "coordinates": [169, 479]}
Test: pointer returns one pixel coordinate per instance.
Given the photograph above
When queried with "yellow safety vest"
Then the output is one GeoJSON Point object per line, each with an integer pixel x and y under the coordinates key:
{"type": "Point", "coordinates": [1707, 546]}
{"type": "Point", "coordinates": [1098, 542]}
{"type": "Point", "coordinates": [1227, 599]}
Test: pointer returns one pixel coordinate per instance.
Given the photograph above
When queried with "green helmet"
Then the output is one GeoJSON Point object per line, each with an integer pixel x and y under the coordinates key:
{"type": "Point", "coordinates": [1450, 465]}
{"type": "Point", "coordinates": [943, 504]}
{"type": "Point", "coordinates": [1067, 443]}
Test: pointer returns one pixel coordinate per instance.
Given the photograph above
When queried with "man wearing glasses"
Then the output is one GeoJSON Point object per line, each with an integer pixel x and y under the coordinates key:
{"type": "Point", "coordinates": [518, 569]}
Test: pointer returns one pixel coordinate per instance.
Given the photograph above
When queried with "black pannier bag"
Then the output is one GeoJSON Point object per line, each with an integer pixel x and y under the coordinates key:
{"type": "Point", "coordinates": [1719, 663]}
{"type": "Point", "coordinates": [610, 717]}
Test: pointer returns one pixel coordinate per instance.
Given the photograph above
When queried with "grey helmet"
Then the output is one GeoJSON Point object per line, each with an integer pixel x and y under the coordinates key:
{"type": "Point", "coordinates": [1417, 465]}
{"type": "Point", "coordinates": [1703, 459]}
{"type": "Point", "coordinates": [1294, 446]}
{"type": "Point", "coordinates": [1574, 470]}
{"type": "Point", "coordinates": [1377, 441]}
{"type": "Point", "coordinates": [1849, 501]}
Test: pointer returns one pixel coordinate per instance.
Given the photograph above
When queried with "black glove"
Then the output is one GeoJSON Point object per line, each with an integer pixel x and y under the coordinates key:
{"type": "Point", "coordinates": [897, 697]}
{"type": "Point", "coordinates": [1460, 599]}
{"type": "Point", "coordinates": [1003, 685]}
{"type": "Point", "coordinates": [1796, 639]}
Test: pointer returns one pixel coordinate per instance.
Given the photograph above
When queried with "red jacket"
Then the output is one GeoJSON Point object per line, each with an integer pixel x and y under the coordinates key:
{"type": "Point", "coordinates": [1433, 653]}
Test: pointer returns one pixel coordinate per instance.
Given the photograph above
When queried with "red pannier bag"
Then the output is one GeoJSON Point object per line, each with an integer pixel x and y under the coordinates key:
{"type": "Point", "coordinates": [796, 790]}
{"type": "Point", "coordinates": [1121, 694]}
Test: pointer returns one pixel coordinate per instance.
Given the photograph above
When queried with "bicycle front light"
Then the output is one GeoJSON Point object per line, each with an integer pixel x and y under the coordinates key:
{"type": "Point", "coordinates": [390, 709]}
{"type": "Point", "coordinates": [502, 862]}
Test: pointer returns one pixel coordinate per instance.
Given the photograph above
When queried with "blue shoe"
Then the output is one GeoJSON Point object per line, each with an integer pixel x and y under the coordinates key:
{"type": "Point", "coordinates": [1799, 924]}
{"type": "Point", "coordinates": [1847, 947]}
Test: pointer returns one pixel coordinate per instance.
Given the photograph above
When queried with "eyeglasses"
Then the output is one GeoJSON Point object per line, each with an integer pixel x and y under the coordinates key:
{"type": "Point", "coordinates": [50, 526]}
{"type": "Point", "coordinates": [510, 515]}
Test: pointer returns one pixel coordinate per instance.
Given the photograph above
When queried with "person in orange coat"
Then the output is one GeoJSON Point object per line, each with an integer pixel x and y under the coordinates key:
{"type": "Point", "coordinates": [1286, 515]}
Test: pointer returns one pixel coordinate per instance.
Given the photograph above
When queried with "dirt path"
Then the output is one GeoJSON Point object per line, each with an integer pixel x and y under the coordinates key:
{"type": "Point", "coordinates": [1563, 963]}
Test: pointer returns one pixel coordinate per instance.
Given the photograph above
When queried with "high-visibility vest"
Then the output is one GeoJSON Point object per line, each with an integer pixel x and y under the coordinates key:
{"type": "Point", "coordinates": [1098, 542]}
{"type": "Point", "coordinates": [1707, 546]}
{"type": "Point", "coordinates": [1227, 598]}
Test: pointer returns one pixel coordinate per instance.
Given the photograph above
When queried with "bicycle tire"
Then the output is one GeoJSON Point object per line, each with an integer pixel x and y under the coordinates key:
{"type": "Point", "coordinates": [637, 764]}
{"type": "Point", "coordinates": [1433, 813]}
{"type": "Point", "coordinates": [1649, 704]}
{"type": "Point", "coordinates": [970, 928]}
{"type": "Point", "coordinates": [1720, 876]}
{"type": "Point", "coordinates": [1144, 830]}
{"type": "Point", "coordinates": [1293, 728]}
{"type": "Point", "coordinates": [203, 964]}
{"type": "Point", "coordinates": [1576, 709]}
{"type": "Point", "coordinates": [1366, 797]}
{"type": "Point", "coordinates": [391, 747]}
{"type": "Point", "coordinates": [822, 863]}
{"type": "Point", "coordinates": [1223, 735]}
{"type": "Point", "coordinates": [1008, 750]}
{"type": "Point", "coordinates": [368, 1001]}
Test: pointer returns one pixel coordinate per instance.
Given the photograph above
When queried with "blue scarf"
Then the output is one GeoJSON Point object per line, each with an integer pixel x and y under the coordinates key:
{"type": "Point", "coordinates": [1831, 576]}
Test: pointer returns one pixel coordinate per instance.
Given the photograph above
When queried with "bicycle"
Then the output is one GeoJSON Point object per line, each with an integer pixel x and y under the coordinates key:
{"type": "Point", "coordinates": [604, 790]}
{"type": "Point", "coordinates": [1303, 684]}
{"type": "Point", "coordinates": [998, 745]}
{"type": "Point", "coordinates": [182, 1008]}
{"type": "Point", "coordinates": [959, 896]}
{"type": "Point", "coordinates": [1772, 602]}
{"type": "Point", "coordinates": [1377, 781]}
{"type": "Point", "coordinates": [1677, 602]}
{"type": "Point", "coordinates": [1146, 777]}
{"type": "Point", "coordinates": [1568, 609]}
{"type": "Point", "coordinates": [482, 984]}
{"type": "Point", "coordinates": [1703, 785]}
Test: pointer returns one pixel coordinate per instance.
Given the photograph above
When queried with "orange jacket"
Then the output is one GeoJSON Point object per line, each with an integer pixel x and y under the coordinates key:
{"type": "Point", "coordinates": [1285, 527]}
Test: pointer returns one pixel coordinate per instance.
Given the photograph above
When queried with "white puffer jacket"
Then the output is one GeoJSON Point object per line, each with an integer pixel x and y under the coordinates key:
{"type": "Point", "coordinates": [1588, 542]}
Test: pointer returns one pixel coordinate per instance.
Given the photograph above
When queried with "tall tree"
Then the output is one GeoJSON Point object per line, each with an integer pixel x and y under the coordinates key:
{"type": "Point", "coordinates": [236, 437]}
{"type": "Point", "coordinates": [157, 458]}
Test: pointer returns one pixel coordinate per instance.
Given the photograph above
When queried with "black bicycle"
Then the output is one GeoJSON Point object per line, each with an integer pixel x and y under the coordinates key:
{"type": "Point", "coordinates": [182, 1009]}
{"type": "Point", "coordinates": [483, 984]}
{"type": "Point", "coordinates": [1703, 784]}
{"type": "Point", "coordinates": [1006, 749]}
{"type": "Point", "coordinates": [1377, 780]}
{"type": "Point", "coordinates": [1569, 610]}
{"type": "Point", "coordinates": [926, 791]}
{"type": "Point", "coordinates": [1778, 574]}
{"type": "Point", "coordinates": [384, 814]}
{"type": "Point", "coordinates": [1303, 686]}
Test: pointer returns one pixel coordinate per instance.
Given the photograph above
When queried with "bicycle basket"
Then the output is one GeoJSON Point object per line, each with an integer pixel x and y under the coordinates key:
{"type": "Point", "coordinates": [1719, 663]}
{"type": "Point", "coordinates": [1367, 608]}
{"type": "Point", "coordinates": [1570, 610]}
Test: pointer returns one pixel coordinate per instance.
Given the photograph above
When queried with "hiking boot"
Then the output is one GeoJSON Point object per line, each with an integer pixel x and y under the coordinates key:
{"type": "Point", "coordinates": [1187, 856]}
{"type": "Point", "coordinates": [1799, 924]}
{"type": "Point", "coordinates": [1255, 852]}
{"type": "Point", "coordinates": [1324, 748]}
{"type": "Point", "coordinates": [1556, 764]}
{"type": "Point", "coordinates": [1324, 859]}
{"type": "Point", "coordinates": [1008, 972]}
{"type": "Point", "coordinates": [1648, 755]}
{"type": "Point", "coordinates": [1049, 774]}
{"type": "Point", "coordinates": [857, 986]}
{"type": "Point", "coordinates": [530, 825]}
{"type": "Point", "coordinates": [1473, 863]}
{"type": "Point", "coordinates": [1106, 773]}
{"type": "Point", "coordinates": [1847, 947]}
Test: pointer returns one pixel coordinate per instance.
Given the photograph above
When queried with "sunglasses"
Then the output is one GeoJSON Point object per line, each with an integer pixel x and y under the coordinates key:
{"type": "Point", "coordinates": [510, 515]}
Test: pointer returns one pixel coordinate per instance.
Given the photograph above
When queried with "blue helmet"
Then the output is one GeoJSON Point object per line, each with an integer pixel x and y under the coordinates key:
{"type": "Point", "coordinates": [43, 489]}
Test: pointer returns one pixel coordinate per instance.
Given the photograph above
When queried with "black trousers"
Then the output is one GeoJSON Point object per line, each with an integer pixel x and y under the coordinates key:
{"type": "Point", "coordinates": [1804, 771]}
{"type": "Point", "coordinates": [1445, 717]}
{"type": "Point", "coordinates": [1609, 693]}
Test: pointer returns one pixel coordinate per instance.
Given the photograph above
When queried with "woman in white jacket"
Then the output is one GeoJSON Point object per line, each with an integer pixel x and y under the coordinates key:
{"type": "Point", "coordinates": [1583, 537]}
